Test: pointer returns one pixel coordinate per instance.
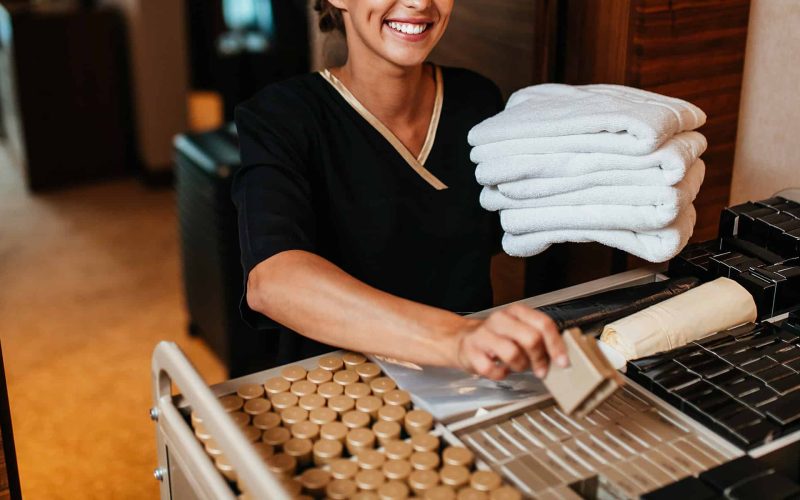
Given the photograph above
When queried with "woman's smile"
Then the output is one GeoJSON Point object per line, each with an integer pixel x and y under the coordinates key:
{"type": "Point", "coordinates": [409, 30]}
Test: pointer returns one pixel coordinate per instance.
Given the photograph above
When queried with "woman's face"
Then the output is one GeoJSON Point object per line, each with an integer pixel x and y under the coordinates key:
{"type": "Point", "coordinates": [402, 32]}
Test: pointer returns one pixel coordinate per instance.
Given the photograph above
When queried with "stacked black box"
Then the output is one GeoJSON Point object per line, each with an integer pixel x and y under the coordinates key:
{"type": "Point", "coordinates": [759, 247]}
{"type": "Point", "coordinates": [212, 273]}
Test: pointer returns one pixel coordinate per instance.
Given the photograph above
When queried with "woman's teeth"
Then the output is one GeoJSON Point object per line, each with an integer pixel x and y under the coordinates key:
{"type": "Point", "coordinates": [408, 28]}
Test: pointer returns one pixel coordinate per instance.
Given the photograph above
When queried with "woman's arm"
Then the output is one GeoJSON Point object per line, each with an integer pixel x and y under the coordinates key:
{"type": "Point", "coordinates": [312, 296]}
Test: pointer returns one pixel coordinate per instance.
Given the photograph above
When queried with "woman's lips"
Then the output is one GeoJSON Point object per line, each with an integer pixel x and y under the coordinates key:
{"type": "Point", "coordinates": [412, 31]}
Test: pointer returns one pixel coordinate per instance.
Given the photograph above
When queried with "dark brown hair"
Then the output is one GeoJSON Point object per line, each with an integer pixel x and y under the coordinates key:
{"type": "Point", "coordinates": [330, 17]}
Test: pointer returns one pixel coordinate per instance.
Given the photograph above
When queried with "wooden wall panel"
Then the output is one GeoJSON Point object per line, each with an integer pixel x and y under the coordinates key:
{"type": "Point", "coordinates": [694, 50]}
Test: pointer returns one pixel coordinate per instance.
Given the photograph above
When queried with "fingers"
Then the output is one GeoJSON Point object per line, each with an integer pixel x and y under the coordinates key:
{"type": "Point", "coordinates": [479, 361]}
{"type": "Point", "coordinates": [519, 338]}
{"type": "Point", "coordinates": [547, 328]}
{"type": "Point", "coordinates": [503, 349]}
{"type": "Point", "coordinates": [528, 339]}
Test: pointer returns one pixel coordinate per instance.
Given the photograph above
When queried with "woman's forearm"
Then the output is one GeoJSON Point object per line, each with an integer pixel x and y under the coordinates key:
{"type": "Point", "coordinates": [314, 297]}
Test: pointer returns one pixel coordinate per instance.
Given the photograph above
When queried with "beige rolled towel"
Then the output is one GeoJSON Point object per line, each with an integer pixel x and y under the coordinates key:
{"type": "Point", "coordinates": [709, 308]}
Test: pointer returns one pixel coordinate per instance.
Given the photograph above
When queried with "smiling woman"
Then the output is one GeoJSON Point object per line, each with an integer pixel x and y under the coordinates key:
{"type": "Point", "coordinates": [359, 219]}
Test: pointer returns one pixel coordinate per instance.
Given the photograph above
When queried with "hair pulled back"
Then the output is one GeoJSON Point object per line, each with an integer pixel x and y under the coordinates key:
{"type": "Point", "coordinates": [330, 17]}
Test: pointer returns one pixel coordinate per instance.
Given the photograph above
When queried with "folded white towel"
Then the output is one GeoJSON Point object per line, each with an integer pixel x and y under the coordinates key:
{"type": "Point", "coordinates": [675, 155]}
{"type": "Point", "coordinates": [679, 195]}
{"type": "Point", "coordinates": [574, 118]}
{"type": "Point", "coordinates": [653, 246]}
{"type": "Point", "coordinates": [548, 186]}
{"type": "Point", "coordinates": [598, 217]}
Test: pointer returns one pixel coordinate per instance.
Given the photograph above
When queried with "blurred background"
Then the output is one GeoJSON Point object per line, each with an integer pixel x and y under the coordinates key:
{"type": "Point", "coordinates": [116, 151]}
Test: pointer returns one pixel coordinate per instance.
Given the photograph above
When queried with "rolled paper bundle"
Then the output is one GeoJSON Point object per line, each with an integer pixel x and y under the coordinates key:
{"type": "Point", "coordinates": [692, 315]}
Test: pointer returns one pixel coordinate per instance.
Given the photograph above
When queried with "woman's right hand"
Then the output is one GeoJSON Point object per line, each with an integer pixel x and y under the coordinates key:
{"type": "Point", "coordinates": [516, 338]}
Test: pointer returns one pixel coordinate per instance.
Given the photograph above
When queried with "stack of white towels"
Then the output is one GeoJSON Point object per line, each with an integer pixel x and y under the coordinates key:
{"type": "Point", "coordinates": [604, 163]}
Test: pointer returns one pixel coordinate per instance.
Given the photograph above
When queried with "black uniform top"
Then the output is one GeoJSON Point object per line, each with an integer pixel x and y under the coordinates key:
{"type": "Point", "coordinates": [317, 175]}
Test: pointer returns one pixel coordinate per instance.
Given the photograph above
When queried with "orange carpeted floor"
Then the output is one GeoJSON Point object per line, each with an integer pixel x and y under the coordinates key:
{"type": "Point", "coordinates": [89, 283]}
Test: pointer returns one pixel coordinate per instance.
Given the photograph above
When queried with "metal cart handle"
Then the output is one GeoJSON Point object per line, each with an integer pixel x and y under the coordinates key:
{"type": "Point", "coordinates": [171, 365]}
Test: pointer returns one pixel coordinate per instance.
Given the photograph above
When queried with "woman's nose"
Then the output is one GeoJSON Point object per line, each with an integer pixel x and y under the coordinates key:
{"type": "Point", "coordinates": [417, 4]}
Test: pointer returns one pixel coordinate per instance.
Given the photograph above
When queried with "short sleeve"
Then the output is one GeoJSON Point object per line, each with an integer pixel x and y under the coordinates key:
{"type": "Point", "coordinates": [271, 190]}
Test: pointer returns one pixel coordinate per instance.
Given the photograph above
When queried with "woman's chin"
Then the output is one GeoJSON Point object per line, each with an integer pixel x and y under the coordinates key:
{"type": "Point", "coordinates": [406, 58]}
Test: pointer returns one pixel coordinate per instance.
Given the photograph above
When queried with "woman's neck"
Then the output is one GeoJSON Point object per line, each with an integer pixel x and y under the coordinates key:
{"type": "Point", "coordinates": [398, 96]}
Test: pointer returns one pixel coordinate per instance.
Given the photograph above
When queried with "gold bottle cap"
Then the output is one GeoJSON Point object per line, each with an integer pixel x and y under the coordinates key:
{"type": "Point", "coordinates": [264, 450]}
{"type": "Point", "coordinates": [251, 433]}
{"type": "Point", "coordinates": [341, 404]}
{"type": "Point", "coordinates": [357, 390]}
{"type": "Point", "coordinates": [471, 494]}
{"type": "Point", "coordinates": [392, 413]}
{"type": "Point", "coordinates": [305, 430]}
{"type": "Point", "coordinates": [283, 400]}
{"type": "Point", "coordinates": [369, 405]}
{"type": "Point", "coordinates": [352, 359]}
{"type": "Point", "coordinates": [224, 466]}
{"type": "Point", "coordinates": [424, 460]}
{"type": "Point", "coordinates": [336, 431]}
{"type": "Point", "coordinates": [303, 388]}
{"type": "Point", "coordinates": [423, 480]}
{"type": "Point", "coordinates": [250, 391]}
{"type": "Point", "coordinates": [315, 480]}
{"type": "Point", "coordinates": [369, 480]}
{"type": "Point", "coordinates": [366, 495]}
{"type": "Point", "coordinates": [382, 385]}
{"type": "Point", "coordinates": [505, 493]}
{"type": "Point", "coordinates": [282, 464]}
{"type": "Point", "coordinates": [321, 416]}
{"type": "Point", "coordinates": [311, 401]}
{"type": "Point", "coordinates": [201, 432]}
{"type": "Point", "coordinates": [330, 389]}
{"type": "Point", "coordinates": [231, 402]}
{"type": "Point", "coordinates": [276, 436]}
{"type": "Point", "coordinates": [370, 459]}
{"type": "Point", "coordinates": [257, 406]}
{"type": "Point", "coordinates": [212, 448]}
{"type": "Point", "coordinates": [345, 377]}
{"type": "Point", "coordinates": [319, 376]}
{"type": "Point", "coordinates": [368, 371]}
{"type": "Point", "coordinates": [393, 490]}
{"type": "Point", "coordinates": [240, 418]}
{"type": "Point", "coordinates": [485, 480]}
{"type": "Point", "coordinates": [293, 373]}
{"type": "Point", "coordinates": [441, 492]}
{"type": "Point", "coordinates": [331, 363]}
{"type": "Point", "coordinates": [276, 385]}
{"type": "Point", "coordinates": [418, 422]}
{"type": "Point", "coordinates": [196, 419]}
{"type": "Point", "coordinates": [397, 397]}
{"type": "Point", "coordinates": [267, 420]}
{"type": "Point", "coordinates": [425, 442]}
{"type": "Point", "coordinates": [454, 475]}
{"type": "Point", "coordinates": [293, 415]}
{"type": "Point", "coordinates": [386, 431]}
{"type": "Point", "coordinates": [396, 469]}
{"type": "Point", "coordinates": [326, 451]}
{"type": "Point", "coordinates": [343, 468]}
{"type": "Point", "coordinates": [458, 455]}
{"type": "Point", "coordinates": [397, 450]}
{"type": "Point", "coordinates": [299, 448]}
{"type": "Point", "coordinates": [341, 489]}
{"type": "Point", "coordinates": [354, 419]}
{"type": "Point", "coordinates": [359, 439]}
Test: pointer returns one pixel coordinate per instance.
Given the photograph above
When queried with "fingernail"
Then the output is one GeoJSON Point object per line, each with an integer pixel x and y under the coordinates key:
{"type": "Point", "coordinates": [563, 361]}
{"type": "Point", "coordinates": [540, 372]}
